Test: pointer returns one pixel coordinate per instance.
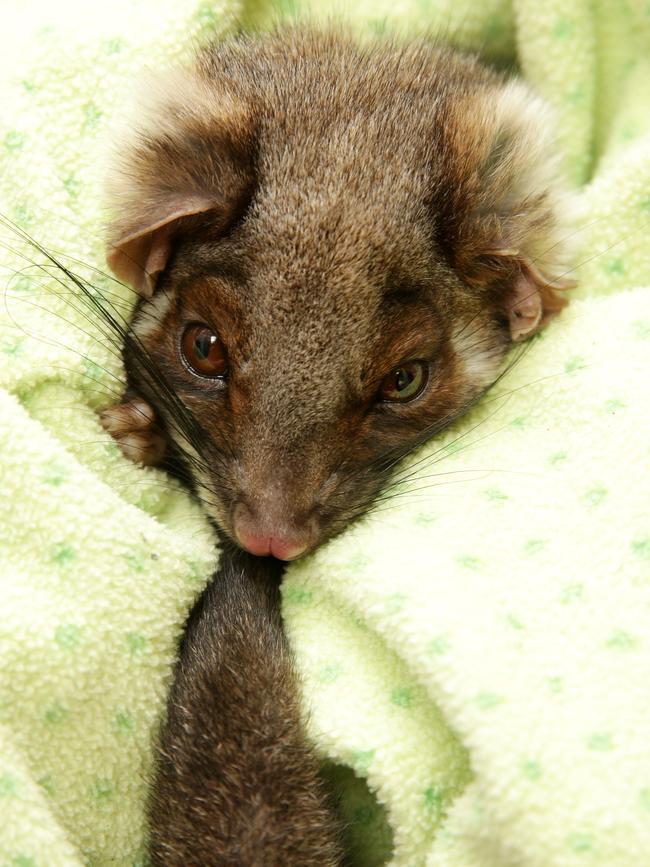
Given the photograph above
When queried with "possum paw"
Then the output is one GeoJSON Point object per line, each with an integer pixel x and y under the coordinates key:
{"type": "Point", "coordinates": [132, 425]}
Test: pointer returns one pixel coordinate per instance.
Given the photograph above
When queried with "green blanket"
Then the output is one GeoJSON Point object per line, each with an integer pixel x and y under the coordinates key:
{"type": "Point", "coordinates": [478, 648]}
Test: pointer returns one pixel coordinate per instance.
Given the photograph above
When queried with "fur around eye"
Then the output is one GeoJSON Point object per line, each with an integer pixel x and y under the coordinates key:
{"type": "Point", "coordinates": [203, 351]}
{"type": "Point", "coordinates": [405, 382]}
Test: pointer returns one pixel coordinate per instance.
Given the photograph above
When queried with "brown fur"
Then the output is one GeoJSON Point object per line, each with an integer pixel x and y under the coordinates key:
{"type": "Point", "coordinates": [236, 784]}
{"type": "Point", "coordinates": [331, 211]}
{"type": "Point", "coordinates": [361, 207]}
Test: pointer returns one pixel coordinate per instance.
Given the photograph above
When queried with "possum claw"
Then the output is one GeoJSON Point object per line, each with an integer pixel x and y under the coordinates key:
{"type": "Point", "coordinates": [132, 425]}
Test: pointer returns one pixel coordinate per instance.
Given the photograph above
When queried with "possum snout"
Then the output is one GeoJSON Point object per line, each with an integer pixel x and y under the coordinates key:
{"type": "Point", "coordinates": [281, 535]}
{"type": "Point", "coordinates": [275, 514]}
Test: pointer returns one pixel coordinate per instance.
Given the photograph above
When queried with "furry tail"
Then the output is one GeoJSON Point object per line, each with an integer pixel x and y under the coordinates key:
{"type": "Point", "coordinates": [235, 781]}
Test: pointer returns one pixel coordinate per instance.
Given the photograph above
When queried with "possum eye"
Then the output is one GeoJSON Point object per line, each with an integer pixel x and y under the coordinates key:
{"type": "Point", "coordinates": [203, 351]}
{"type": "Point", "coordinates": [406, 382]}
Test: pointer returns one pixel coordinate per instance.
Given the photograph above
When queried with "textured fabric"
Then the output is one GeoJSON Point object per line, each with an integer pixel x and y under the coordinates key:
{"type": "Point", "coordinates": [476, 649]}
{"type": "Point", "coordinates": [100, 560]}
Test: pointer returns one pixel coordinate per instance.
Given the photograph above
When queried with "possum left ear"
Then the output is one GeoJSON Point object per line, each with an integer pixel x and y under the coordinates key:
{"type": "Point", "coordinates": [504, 218]}
{"type": "Point", "coordinates": [533, 302]}
{"type": "Point", "coordinates": [532, 299]}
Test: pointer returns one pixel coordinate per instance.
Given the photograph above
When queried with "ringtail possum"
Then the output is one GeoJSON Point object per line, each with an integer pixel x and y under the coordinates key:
{"type": "Point", "coordinates": [334, 243]}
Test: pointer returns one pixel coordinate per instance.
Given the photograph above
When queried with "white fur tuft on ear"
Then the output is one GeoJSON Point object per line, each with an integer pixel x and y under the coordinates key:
{"type": "Point", "coordinates": [532, 201]}
{"type": "Point", "coordinates": [187, 153]}
{"type": "Point", "coordinates": [515, 213]}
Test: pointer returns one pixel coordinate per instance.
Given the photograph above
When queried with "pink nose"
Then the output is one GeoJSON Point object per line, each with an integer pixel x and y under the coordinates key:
{"type": "Point", "coordinates": [278, 546]}
{"type": "Point", "coordinates": [264, 536]}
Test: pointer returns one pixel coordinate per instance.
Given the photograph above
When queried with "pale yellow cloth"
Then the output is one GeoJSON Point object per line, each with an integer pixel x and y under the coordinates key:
{"type": "Point", "coordinates": [478, 649]}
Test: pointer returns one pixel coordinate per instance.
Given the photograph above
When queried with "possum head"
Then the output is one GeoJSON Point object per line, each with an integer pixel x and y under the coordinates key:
{"type": "Point", "coordinates": [334, 246]}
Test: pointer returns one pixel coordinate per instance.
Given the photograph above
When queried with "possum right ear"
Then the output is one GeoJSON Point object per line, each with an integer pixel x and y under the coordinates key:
{"type": "Point", "coordinates": [190, 155]}
{"type": "Point", "coordinates": [140, 256]}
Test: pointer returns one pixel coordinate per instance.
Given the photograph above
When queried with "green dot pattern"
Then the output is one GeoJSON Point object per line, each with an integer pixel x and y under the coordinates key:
{"type": "Point", "coordinates": [532, 770]}
{"type": "Point", "coordinates": [615, 266]}
{"type": "Point", "coordinates": [124, 722]}
{"type": "Point", "coordinates": [137, 644]}
{"type": "Point", "coordinates": [8, 786]}
{"type": "Point", "coordinates": [361, 760]}
{"type": "Point", "coordinates": [488, 700]}
{"type": "Point", "coordinates": [330, 673]}
{"type": "Point", "coordinates": [595, 496]}
{"type": "Point", "coordinates": [600, 741]}
{"type": "Point", "coordinates": [574, 364]}
{"type": "Point", "coordinates": [641, 329]}
{"type": "Point", "coordinates": [641, 547]}
{"type": "Point", "coordinates": [534, 546]}
{"type": "Point", "coordinates": [14, 140]}
{"type": "Point", "coordinates": [69, 636]}
{"type": "Point", "coordinates": [572, 593]}
{"type": "Point", "coordinates": [439, 645]}
{"type": "Point", "coordinates": [63, 554]}
{"type": "Point", "coordinates": [103, 790]}
{"type": "Point", "coordinates": [402, 697]}
{"type": "Point", "coordinates": [13, 348]}
{"type": "Point", "coordinates": [55, 714]}
{"type": "Point", "coordinates": [478, 651]}
{"type": "Point", "coordinates": [433, 799]}
{"type": "Point", "coordinates": [101, 560]}
{"type": "Point", "coordinates": [515, 622]}
{"type": "Point", "coordinates": [470, 561]}
{"type": "Point", "coordinates": [395, 603]}
{"type": "Point", "coordinates": [517, 618]}
{"type": "Point", "coordinates": [622, 640]}
{"type": "Point", "coordinates": [614, 404]}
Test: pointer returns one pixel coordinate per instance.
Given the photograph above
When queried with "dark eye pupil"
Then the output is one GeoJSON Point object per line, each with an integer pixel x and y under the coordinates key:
{"type": "Point", "coordinates": [203, 351]}
{"type": "Point", "coordinates": [404, 383]}
{"type": "Point", "coordinates": [403, 378]}
{"type": "Point", "coordinates": [202, 345]}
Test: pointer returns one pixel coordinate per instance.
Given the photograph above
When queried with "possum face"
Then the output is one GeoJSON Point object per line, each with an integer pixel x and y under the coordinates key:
{"type": "Point", "coordinates": [335, 247]}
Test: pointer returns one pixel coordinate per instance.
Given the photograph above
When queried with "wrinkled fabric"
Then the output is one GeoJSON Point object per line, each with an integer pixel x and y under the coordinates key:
{"type": "Point", "coordinates": [477, 648]}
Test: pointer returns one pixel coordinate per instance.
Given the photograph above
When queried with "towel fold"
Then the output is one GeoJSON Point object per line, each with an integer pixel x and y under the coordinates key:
{"type": "Point", "coordinates": [476, 649]}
